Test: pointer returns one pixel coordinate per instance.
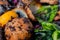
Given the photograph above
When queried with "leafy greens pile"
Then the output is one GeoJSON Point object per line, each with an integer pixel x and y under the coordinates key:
{"type": "Point", "coordinates": [45, 16]}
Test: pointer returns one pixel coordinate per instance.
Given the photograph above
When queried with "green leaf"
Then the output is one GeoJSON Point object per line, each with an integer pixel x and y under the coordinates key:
{"type": "Point", "coordinates": [54, 35]}
{"type": "Point", "coordinates": [47, 25]}
{"type": "Point", "coordinates": [53, 13]}
{"type": "Point", "coordinates": [50, 12]}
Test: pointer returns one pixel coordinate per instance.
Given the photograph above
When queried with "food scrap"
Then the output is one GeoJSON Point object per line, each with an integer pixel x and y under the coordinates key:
{"type": "Point", "coordinates": [29, 20]}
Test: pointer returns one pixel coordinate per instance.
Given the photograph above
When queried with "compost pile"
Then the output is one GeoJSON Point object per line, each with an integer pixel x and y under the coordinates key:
{"type": "Point", "coordinates": [29, 20]}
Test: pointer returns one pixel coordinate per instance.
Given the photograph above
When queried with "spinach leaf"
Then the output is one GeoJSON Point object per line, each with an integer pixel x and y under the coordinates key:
{"type": "Point", "coordinates": [53, 13]}
{"type": "Point", "coordinates": [54, 35]}
{"type": "Point", "coordinates": [49, 12]}
{"type": "Point", "coordinates": [50, 30]}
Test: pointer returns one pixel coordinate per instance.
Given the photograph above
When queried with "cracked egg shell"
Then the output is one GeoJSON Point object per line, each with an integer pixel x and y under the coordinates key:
{"type": "Point", "coordinates": [3, 2]}
{"type": "Point", "coordinates": [51, 2]}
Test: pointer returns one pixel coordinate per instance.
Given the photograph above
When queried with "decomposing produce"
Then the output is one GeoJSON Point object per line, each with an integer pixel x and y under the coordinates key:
{"type": "Point", "coordinates": [29, 20]}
